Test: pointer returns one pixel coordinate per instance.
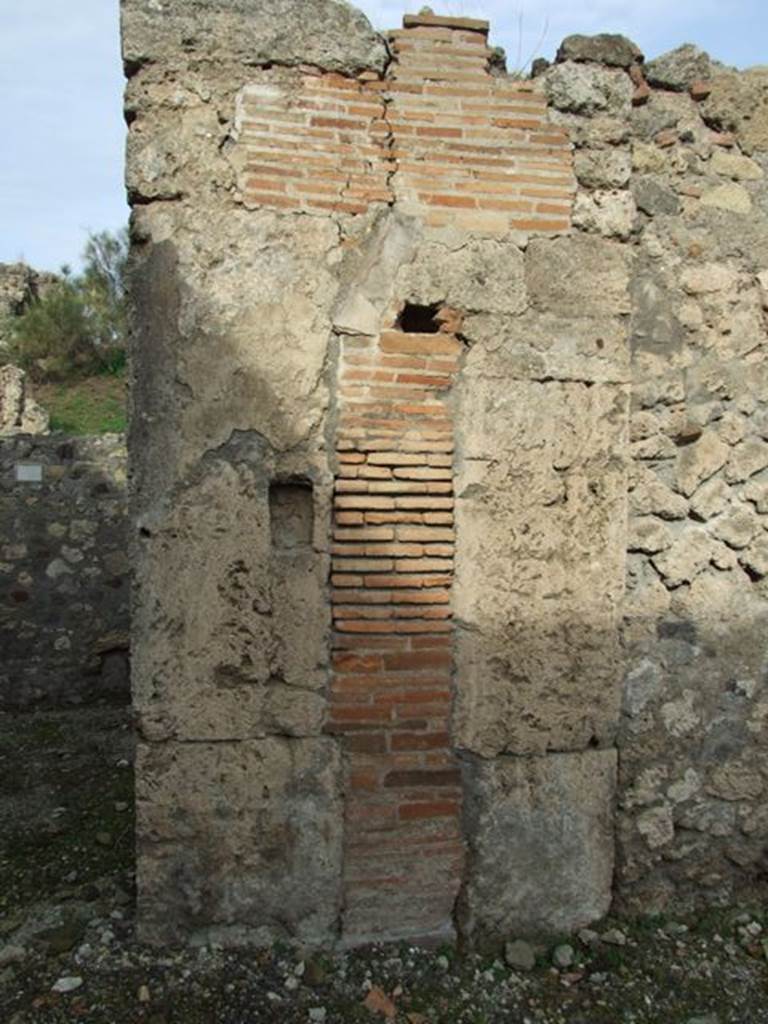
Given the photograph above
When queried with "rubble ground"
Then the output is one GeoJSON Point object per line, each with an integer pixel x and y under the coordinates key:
{"type": "Point", "coordinates": [68, 951]}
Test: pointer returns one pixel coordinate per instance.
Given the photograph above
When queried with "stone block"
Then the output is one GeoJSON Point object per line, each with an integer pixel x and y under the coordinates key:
{"type": "Point", "coordinates": [735, 166]}
{"type": "Point", "coordinates": [605, 48]}
{"type": "Point", "coordinates": [233, 633]}
{"type": "Point", "coordinates": [215, 358]}
{"type": "Point", "coordinates": [730, 197]}
{"type": "Point", "coordinates": [552, 818]}
{"type": "Point", "coordinates": [560, 275]}
{"type": "Point", "coordinates": [611, 214]}
{"type": "Point", "coordinates": [19, 413]}
{"type": "Point", "coordinates": [535, 346]}
{"type": "Point", "coordinates": [330, 34]}
{"type": "Point", "coordinates": [588, 89]}
{"type": "Point", "coordinates": [541, 540]}
{"type": "Point", "coordinates": [654, 197]}
{"type": "Point", "coordinates": [699, 461]}
{"type": "Point", "coordinates": [239, 842]}
{"type": "Point", "coordinates": [603, 168]}
{"type": "Point", "coordinates": [472, 274]}
{"type": "Point", "coordinates": [679, 69]}
{"type": "Point", "coordinates": [737, 103]}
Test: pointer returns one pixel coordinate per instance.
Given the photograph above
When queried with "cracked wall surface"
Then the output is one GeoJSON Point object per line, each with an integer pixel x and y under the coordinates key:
{"type": "Point", "coordinates": [413, 342]}
{"type": "Point", "coordinates": [671, 159]}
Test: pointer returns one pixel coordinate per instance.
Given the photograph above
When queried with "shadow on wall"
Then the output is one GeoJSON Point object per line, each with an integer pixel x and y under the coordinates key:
{"type": "Point", "coordinates": [238, 790]}
{"type": "Point", "coordinates": [692, 822]}
{"type": "Point", "coordinates": [232, 529]}
{"type": "Point", "coordinates": [248, 634]}
{"type": "Point", "coordinates": [64, 588]}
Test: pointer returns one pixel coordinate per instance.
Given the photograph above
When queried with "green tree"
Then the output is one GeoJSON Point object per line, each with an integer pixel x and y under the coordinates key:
{"type": "Point", "coordinates": [78, 325]}
{"type": "Point", "coordinates": [103, 285]}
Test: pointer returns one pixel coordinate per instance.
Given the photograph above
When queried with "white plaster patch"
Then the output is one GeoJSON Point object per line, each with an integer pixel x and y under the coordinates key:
{"type": "Point", "coordinates": [679, 716]}
{"type": "Point", "coordinates": [29, 473]}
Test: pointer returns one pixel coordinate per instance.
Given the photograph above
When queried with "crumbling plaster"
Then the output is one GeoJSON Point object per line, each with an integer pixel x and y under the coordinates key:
{"type": "Point", "coordinates": [609, 371]}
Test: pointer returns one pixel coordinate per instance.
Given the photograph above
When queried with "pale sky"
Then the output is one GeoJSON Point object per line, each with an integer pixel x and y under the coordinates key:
{"type": "Point", "coordinates": [61, 126]}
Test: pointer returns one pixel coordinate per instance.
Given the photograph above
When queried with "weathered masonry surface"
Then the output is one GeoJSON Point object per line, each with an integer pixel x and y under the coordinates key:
{"type": "Point", "coordinates": [64, 587]}
{"type": "Point", "coordinates": [447, 460]}
{"type": "Point", "coordinates": [438, 135]}
{"type": "Point", "coordinates": [392, 570]}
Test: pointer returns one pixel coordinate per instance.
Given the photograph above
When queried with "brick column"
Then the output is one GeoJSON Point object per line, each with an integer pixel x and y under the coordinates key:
{"type": "Point", "coordinates": [392, 658]}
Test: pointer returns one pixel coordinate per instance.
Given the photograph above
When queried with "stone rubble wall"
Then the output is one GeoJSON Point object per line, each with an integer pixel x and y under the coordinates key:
{"type": "Point", "coordinates": [19, 412]}
{"type": "Point", "coordinates": [671, 159]}
{"type": "Point", "coordinates": [317, 217]}
{"type": "Point", "coordinates": [64, 579]}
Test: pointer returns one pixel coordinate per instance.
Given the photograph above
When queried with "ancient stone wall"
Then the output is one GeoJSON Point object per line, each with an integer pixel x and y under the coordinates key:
{"type": "Point", "coordinates": [672, 159]}
{"type": "Point", "coordinates": [63, 570]}
{"type": "Point", "coordinates": [411, 340]}
{"type": "Point", "coordinates": [19, 412]}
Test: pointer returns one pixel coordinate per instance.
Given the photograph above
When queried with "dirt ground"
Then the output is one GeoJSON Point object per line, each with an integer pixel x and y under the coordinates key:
{"type": "Point", "coordinates": [68, 951]}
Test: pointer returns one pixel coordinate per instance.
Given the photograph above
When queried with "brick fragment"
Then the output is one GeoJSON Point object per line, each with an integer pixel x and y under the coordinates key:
{"type": "Point", "coordinates": [366, 743]}
{"type": "Point", "coordinates": [421, 565]}
{"type": "Point", "coordinates": [641, 94]}
{"type": "Point", "coordinates": [363, 565]}
{"type": "Point", "coordinates": [424, 533]}
{"type": "Point", "coordinates": [429, 20]}
{"type": "Point", "coordinates": [428, 502]}
{"type": "Point", "coordinates": [665, 138]}
{"type": "Point", "coordinates": [369, 501]}
{"type": "Point", "coordinates": [351, 486]}
{"type": "Point", "coordinates": [397, 459]}
{"type": "Point", "coordinates": [366, 779]}
{"type": "Point", "coordinates": [393, 517]}
{"type": "Point", "coordinates": [424, 642]}
{"type": "Point", "coordinates": [416, 660]}
{"type": "Point", "coordinates": [407, 580]}
{"type": "Point", "coordinates": [431, 809]}
{"type": "Point", "coordinates": [419, 344]}
{"type": "Point", "coordinates": [366, 533]}
{"type": "Point", "coordinates": [419, 740]}
{"type": "Point", "coordinates": [357, 663]}
{"type": "Point", "coordinates": [358, 714]}
{"type": "Point", "coordinates": [398, 626]}
{"type": "Point", "coordinates": [346, 580]}
{"type": "Point", "coordinates": [422, 473]}
{"type": "Point", "coordinates": [416, 777]}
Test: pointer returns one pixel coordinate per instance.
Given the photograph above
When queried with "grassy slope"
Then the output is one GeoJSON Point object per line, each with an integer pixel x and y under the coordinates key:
{"type": "Point", "coordinates": [91, 405]}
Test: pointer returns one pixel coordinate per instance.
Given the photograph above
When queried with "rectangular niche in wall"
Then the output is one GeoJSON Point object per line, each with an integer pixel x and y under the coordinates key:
{"type": "Point", "coordinates": [291, 514]}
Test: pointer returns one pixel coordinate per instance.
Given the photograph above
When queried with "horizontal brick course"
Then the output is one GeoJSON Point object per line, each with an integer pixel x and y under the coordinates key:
{"type": "Point", "coordinates": [392, 569]}
{"type": "Point", "coordinates": [438, 135]}
{"type": "Point", "coordinates": [442, 140]}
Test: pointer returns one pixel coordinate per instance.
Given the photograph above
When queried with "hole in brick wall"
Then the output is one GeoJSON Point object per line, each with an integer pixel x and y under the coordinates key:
{"type": "Point", "coordinates": [291, 514]}
{"type": "Point", "coordinates": [415, 319]}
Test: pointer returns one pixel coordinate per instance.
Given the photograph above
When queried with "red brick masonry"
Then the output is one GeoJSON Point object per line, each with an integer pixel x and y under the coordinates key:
{"type": "Point", "coordinates": [391, 574]}
{"type": "Point", "coordinates": [439, 135]}
{"type": "Point", "coordinates": [452, 144]}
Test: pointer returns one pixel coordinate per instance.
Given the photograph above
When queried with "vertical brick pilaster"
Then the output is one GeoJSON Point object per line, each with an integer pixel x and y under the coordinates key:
{"type": "Point", "coordinates": [442, 139]}
{"type": "Point", "coordinates": [392, 569]}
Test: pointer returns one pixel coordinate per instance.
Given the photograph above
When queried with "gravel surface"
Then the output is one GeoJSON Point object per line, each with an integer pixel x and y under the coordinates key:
{"type": "Point", "coordinates": [68, 950]}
